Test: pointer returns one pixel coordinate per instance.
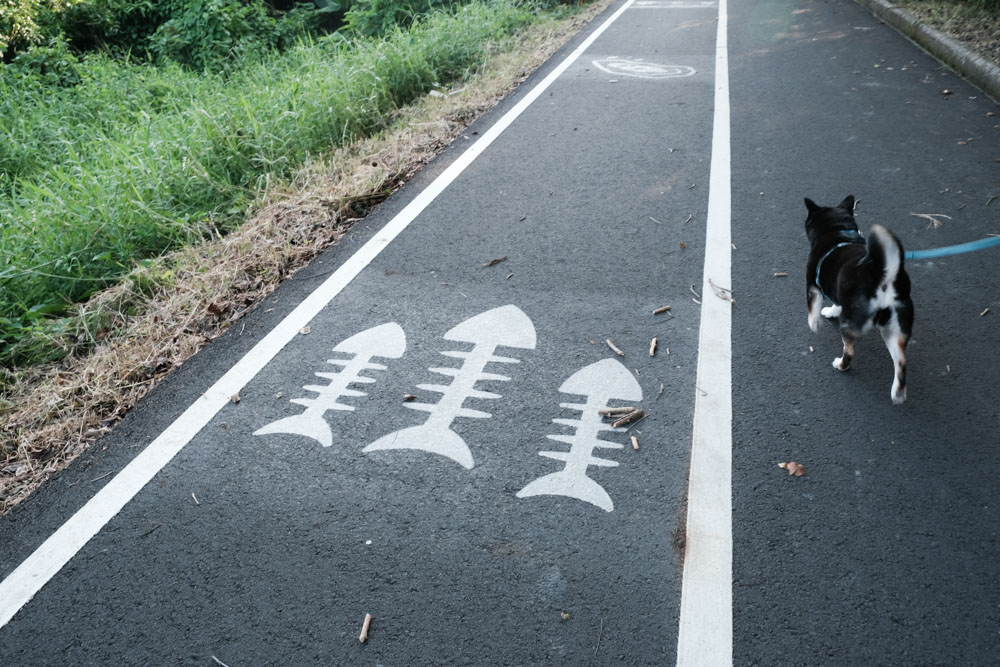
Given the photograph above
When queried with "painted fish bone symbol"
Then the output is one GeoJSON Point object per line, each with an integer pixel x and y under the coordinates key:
{"type": "Point", "coordinates": [506, 326]}
{"type": "Point", "coordinates": [387, 341]}
{"type": "Point", "coordinates": [599, 382]}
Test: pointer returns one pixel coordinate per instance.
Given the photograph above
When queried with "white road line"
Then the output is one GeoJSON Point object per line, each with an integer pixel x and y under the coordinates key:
{"type": "Point", "coordinates": [705, 636]}
{"type": "Point", "coordinates": [29, 577]}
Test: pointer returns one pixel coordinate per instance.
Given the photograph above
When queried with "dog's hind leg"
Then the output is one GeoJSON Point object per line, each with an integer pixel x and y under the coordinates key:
{"type": "Point", "coordinates": [843, 362]}
{"type": "Point", "coordinates": [895, 341]}
{"type": "Point", "coordinates": [814, 300]}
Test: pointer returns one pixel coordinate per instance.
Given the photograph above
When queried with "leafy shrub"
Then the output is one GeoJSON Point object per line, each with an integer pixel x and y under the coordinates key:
{"type": "Point", "coordinates": [18, 29]}
{"type": "Point", "coordinates": [51, 65]}
{"type": "Point", "coordinates": [210, 34]}
{"type": "Point", "coordinates": [369, 18]}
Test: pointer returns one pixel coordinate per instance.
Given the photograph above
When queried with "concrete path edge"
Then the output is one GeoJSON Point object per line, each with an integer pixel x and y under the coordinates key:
{"type": "Point", "coordinates": [974, 68]}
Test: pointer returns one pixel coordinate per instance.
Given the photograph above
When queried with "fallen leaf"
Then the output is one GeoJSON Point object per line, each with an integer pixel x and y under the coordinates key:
{"type": "Point", "coordinates": [793, 468]}
{"type": "Point", "coordinates": [305, 331]}
{"type": "Point", "coordinates": [494, 262]}
{"type": "Point", "coordinates": [564, 615]}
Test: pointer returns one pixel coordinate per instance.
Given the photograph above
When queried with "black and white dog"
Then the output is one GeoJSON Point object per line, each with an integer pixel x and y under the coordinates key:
{"type": "Point", "coordinates": [863, 279]}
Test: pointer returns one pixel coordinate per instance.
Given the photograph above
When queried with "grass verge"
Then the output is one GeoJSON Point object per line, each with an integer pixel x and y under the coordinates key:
{"type": "Point", "coordinates": [135, 160]}
{"type": "Point", "coordinates": [167, 309]}
{"type": "Point", "coordinates": [975, 24]}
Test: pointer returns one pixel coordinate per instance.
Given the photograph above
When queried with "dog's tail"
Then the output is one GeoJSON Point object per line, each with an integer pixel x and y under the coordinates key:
{"type": "Point", "coordinates": [885, 255]}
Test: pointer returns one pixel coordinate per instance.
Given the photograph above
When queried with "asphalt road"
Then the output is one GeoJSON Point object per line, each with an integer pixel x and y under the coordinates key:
{"type": "Point", "coordinates": [493, 519]}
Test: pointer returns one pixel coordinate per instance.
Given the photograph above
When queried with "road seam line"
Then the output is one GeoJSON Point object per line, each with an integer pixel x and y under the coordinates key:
{"type": "Point", "coordinates": [17, 589]}
{"type": "Point", "coordinates": [705, 634]}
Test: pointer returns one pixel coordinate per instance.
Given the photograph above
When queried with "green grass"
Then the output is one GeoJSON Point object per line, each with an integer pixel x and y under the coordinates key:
{"type": "Point", "coordinates": [135, 160]}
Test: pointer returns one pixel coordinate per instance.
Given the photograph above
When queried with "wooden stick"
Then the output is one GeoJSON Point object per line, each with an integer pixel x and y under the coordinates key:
{"type": "Point", "coordinates": [364, 628]}
{"type": "Point", "coordinates": [624, 410]}
{"type": "Point", "coordinates": [630, 417]}
{"type": "Point", "coordinates": [661, 310]}
{"type": "Point", "coordinates": [635, 443]}
{"type": "Point", "coordinates": [652, 346]}
{"type": "Point", "coordinates": [613, 347]}
{"type": "Point", "coordinates": [781, 274]}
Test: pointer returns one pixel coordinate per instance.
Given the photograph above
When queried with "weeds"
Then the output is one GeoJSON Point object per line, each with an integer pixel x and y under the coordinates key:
{"type": "Point", "coordinates": [135, 160]}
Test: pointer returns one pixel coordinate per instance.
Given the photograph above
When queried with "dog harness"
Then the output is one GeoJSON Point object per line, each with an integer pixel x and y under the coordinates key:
{"type": "Point", "coordinates": [819, 265]}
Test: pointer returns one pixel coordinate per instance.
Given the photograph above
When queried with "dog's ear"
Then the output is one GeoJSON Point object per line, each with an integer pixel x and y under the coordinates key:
{"type": "Point", "coordinates": [811, 205]}
{"type": "Point", "coordinates": [847, 204]}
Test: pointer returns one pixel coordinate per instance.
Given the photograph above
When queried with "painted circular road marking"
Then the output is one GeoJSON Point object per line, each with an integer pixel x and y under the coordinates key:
{"type": "Point", "coordinates": [638, 68]}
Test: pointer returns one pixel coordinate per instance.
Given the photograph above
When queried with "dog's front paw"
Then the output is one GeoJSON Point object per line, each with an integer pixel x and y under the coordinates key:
{"type": "Point", "coordinates": [898, 395]}
{"type": "Point", "coordinates": [830, 312]}
{"type": "Point", "coordinates": [840, 364]}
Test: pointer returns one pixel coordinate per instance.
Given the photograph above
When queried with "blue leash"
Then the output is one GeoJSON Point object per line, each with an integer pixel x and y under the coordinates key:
{"type": "Point", "coordinates": [953, 249]}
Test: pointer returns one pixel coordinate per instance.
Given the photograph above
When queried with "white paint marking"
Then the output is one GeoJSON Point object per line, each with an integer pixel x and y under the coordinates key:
{"type": "Point", "coordinates": [506, 326]}
{"type": "Point", "coordinates": [641, 69]}
{"type": "Point", "coordinates": [600, 382]}
{"type": "Point", "coordinates": [705, 636]}
{"type": "Point", "coordinates": [675, 4]}
{"type": "Point", "coordinates": [386, 341]}
{"type": "Point", "coordinates": [29, 577]}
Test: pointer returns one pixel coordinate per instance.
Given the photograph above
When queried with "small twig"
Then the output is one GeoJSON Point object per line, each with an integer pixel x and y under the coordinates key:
{"type": "Point", "coordinates": [494, 262]}
{"type": "Point", "coordinates": [195, 498]}
{"type": "Point", "coordinates": [627, 419]}
{"type": "Point", "coordinates": [990, 200]}
{"type": "Point", "coordinates": [781, 274]}
{"type": "Point", "coordinates": [613, 347]}
{"type": "Point", "coordinates": [660, 223]}
{"type": "Point", "coordinates": [97, 479]}
{"type": "Point", "coordinates": [933, 217]}
{"type": "Point", "coordinates": [600, 634]}
{"type": "Point", "coordinates": [652, 346]}
{"type": "Point", "coordinates": [660, 393]}
{"type": "Point", "coordinates": [662, 309]}
{"type": "Point", "coordinates": [624, 410]}
{"type": "Point", "coordinates": [219, 661]}
{"type": "Point", "coordinates": [984, 312]}
{"type": "Point", "coordinates": [363, 637]}
{"type": "Point", "coordinates": [689, 219]}
{"type": "Point", "coordinates": [694, 292]}
{"type": "Point", "coordinates": [151, 530]}
{"type": "Point", "coordinates": [635, 443]}
{"type": "Point", "coordinates": [635, 423]}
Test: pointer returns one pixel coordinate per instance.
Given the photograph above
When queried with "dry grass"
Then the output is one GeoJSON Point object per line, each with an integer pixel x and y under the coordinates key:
{"type": "Point", "coordinates": [162, 314]}
{"type": "Point", "coordinates": [977, 28]}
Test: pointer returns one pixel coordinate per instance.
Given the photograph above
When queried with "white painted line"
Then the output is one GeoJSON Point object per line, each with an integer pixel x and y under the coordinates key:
{"type": "Point", "coordinates": [705, 636]}
{"type": "Point", "coordinates": [29, 577]}
{"type": "Point", "coordinates": [675, 4]}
